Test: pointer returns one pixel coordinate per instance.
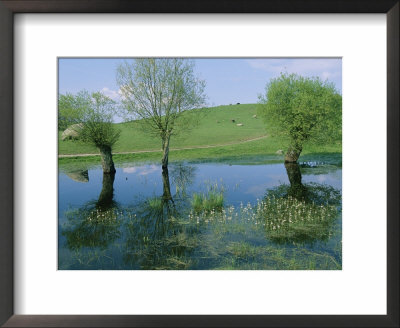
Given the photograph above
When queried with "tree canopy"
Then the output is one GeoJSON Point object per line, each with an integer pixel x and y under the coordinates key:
{"type": "Point", "coordinates": [98, 128]}
{"type": "Point", "coordinates": [71, 108]}
{"type": "Point", "coordinates": [302, 109]}
{"type": "Point", "coordinates": [159, 91]}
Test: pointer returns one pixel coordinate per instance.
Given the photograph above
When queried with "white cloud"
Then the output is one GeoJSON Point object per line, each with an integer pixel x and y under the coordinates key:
{"type": "Point", "coordinates": [149, 169]}
{"type": "Point", "coordinates": [114, 95]}
{"type": "Point", "coordinates": [129, 169]}
{"type": "Point", "coordinates": [328, 68]}
{"type": "Point", "coordinates": [144, 170]}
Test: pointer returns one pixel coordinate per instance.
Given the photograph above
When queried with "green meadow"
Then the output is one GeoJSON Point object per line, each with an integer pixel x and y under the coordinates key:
{"type": "Point", "coordinates": [217, 135]}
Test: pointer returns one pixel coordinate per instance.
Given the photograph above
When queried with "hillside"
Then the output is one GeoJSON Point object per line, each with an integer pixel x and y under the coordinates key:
{"type": "Point", "coordinates": [214, 128]}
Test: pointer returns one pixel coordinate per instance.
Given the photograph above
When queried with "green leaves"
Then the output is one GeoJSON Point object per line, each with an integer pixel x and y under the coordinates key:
{"type": "Point", "coordinates": [71, 108]}
{"type": "Point", "coordinates": [159, 91]}
{"type": "Point", "coordinates": [95, 111]}
{"type": "Point", "coordinates": [302, 109]}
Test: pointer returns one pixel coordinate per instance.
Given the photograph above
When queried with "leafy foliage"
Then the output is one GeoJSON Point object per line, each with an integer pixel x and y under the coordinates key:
{"type": "Point", "coordinates": [95, 111]}
{"type": "Point", "coordinates": [159, 91]}
{"type": "Point", "coordinates": [302, 109]}
{"type": "Point", "coordinates": [98, 128]}
{"type": "Point", "coordinates": [71, 108]}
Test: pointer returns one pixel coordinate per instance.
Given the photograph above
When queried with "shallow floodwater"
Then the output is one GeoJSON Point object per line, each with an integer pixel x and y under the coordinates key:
{"type": "Point", "coordinates": [273, 216]}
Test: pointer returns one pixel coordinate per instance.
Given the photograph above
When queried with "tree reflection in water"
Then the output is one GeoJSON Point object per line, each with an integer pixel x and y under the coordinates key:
{"type": "Point", "coordinates": [163, 232]}
{"type": "Point", "coordinates": [97, 223]}
{"type": "Point", "coordinates": [300, 213]}
{"type": "Point", "coordinates": [157, 236]}
{"type": "Point", "coordinates": [183, 176]}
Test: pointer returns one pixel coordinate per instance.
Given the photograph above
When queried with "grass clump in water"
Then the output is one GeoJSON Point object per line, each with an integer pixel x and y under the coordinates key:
{"type": "Point", "coordinates": [155, 203]}
{"type": "Point", "coordinates": [211, 201]}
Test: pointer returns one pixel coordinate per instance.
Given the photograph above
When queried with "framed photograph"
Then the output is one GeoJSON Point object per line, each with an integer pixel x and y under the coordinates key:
{"type": "Point", "coordinates": [206, 164]}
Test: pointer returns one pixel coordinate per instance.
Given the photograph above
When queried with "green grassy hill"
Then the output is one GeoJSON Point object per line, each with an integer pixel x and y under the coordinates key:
{"type": "Point", "coordinates": [215, 128]}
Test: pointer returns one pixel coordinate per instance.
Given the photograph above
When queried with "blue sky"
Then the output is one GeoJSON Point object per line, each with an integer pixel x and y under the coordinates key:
{"type": "Point", "coordinates": [228, 81]}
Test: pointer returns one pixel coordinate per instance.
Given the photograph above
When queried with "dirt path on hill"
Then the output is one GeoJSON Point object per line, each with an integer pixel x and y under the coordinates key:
{"type": "Point", "coordinates": [171, 149]}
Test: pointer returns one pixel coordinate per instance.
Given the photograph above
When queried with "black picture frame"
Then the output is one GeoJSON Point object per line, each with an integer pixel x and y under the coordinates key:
{"type": "Point", "coordinates": [10, 7]}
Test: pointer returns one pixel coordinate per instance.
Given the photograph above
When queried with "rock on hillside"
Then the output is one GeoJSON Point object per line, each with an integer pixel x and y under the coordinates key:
{"type": "Point", "coordinates": [72, 132]}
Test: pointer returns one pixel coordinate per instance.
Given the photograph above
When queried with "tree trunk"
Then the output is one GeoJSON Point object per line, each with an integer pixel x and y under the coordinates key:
{"type": "Point", "coordinates": [166, 185]}
{"type": "Point", "coordinates": [165, 149]}
{"type": "Point", "coordinates": [107, 192]}
{"type": "Point", "coordinates": [293, 153]}
{"type": "Point", "coordinates": [106, 160]}
{"type": "Point", "coordinates": [296, 189]}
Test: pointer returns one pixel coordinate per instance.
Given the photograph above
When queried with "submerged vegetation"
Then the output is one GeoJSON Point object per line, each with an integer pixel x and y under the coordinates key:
{"type": "Point", "coordinates": [92, 227]}
{"type": "Point", "coordinates": [158, 237]}
{"type": "Point", "coordinates": [284, 220]}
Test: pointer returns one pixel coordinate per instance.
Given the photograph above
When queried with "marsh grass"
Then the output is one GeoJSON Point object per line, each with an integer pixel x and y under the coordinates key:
{"type": "Point", "coordinates": [291, 220]}
{"type": "Point", "coordinates": [155, 203]}
{"type": "Point", "coordinates": [284, 220]}
{"type": "Point", "coordinates": [210, 201]}
{"type": "Point", "coordinates": [244, 256]}
{"type": "Point", "coordinates": [278, 232]}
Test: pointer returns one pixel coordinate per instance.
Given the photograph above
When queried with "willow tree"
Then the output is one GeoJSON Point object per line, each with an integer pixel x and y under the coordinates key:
{"type": "Point", "coordinates": [71, 108]}
{"type": "Point", "coordinates": [97, 128]}
{"type": "Point", "coordinates": [161, 92]}
{"type": "Point", "coordinates": [303, 110]}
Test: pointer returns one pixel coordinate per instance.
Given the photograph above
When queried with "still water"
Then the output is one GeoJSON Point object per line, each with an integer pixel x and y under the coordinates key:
{"type": "Point", "coordinates": [249, 214]}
